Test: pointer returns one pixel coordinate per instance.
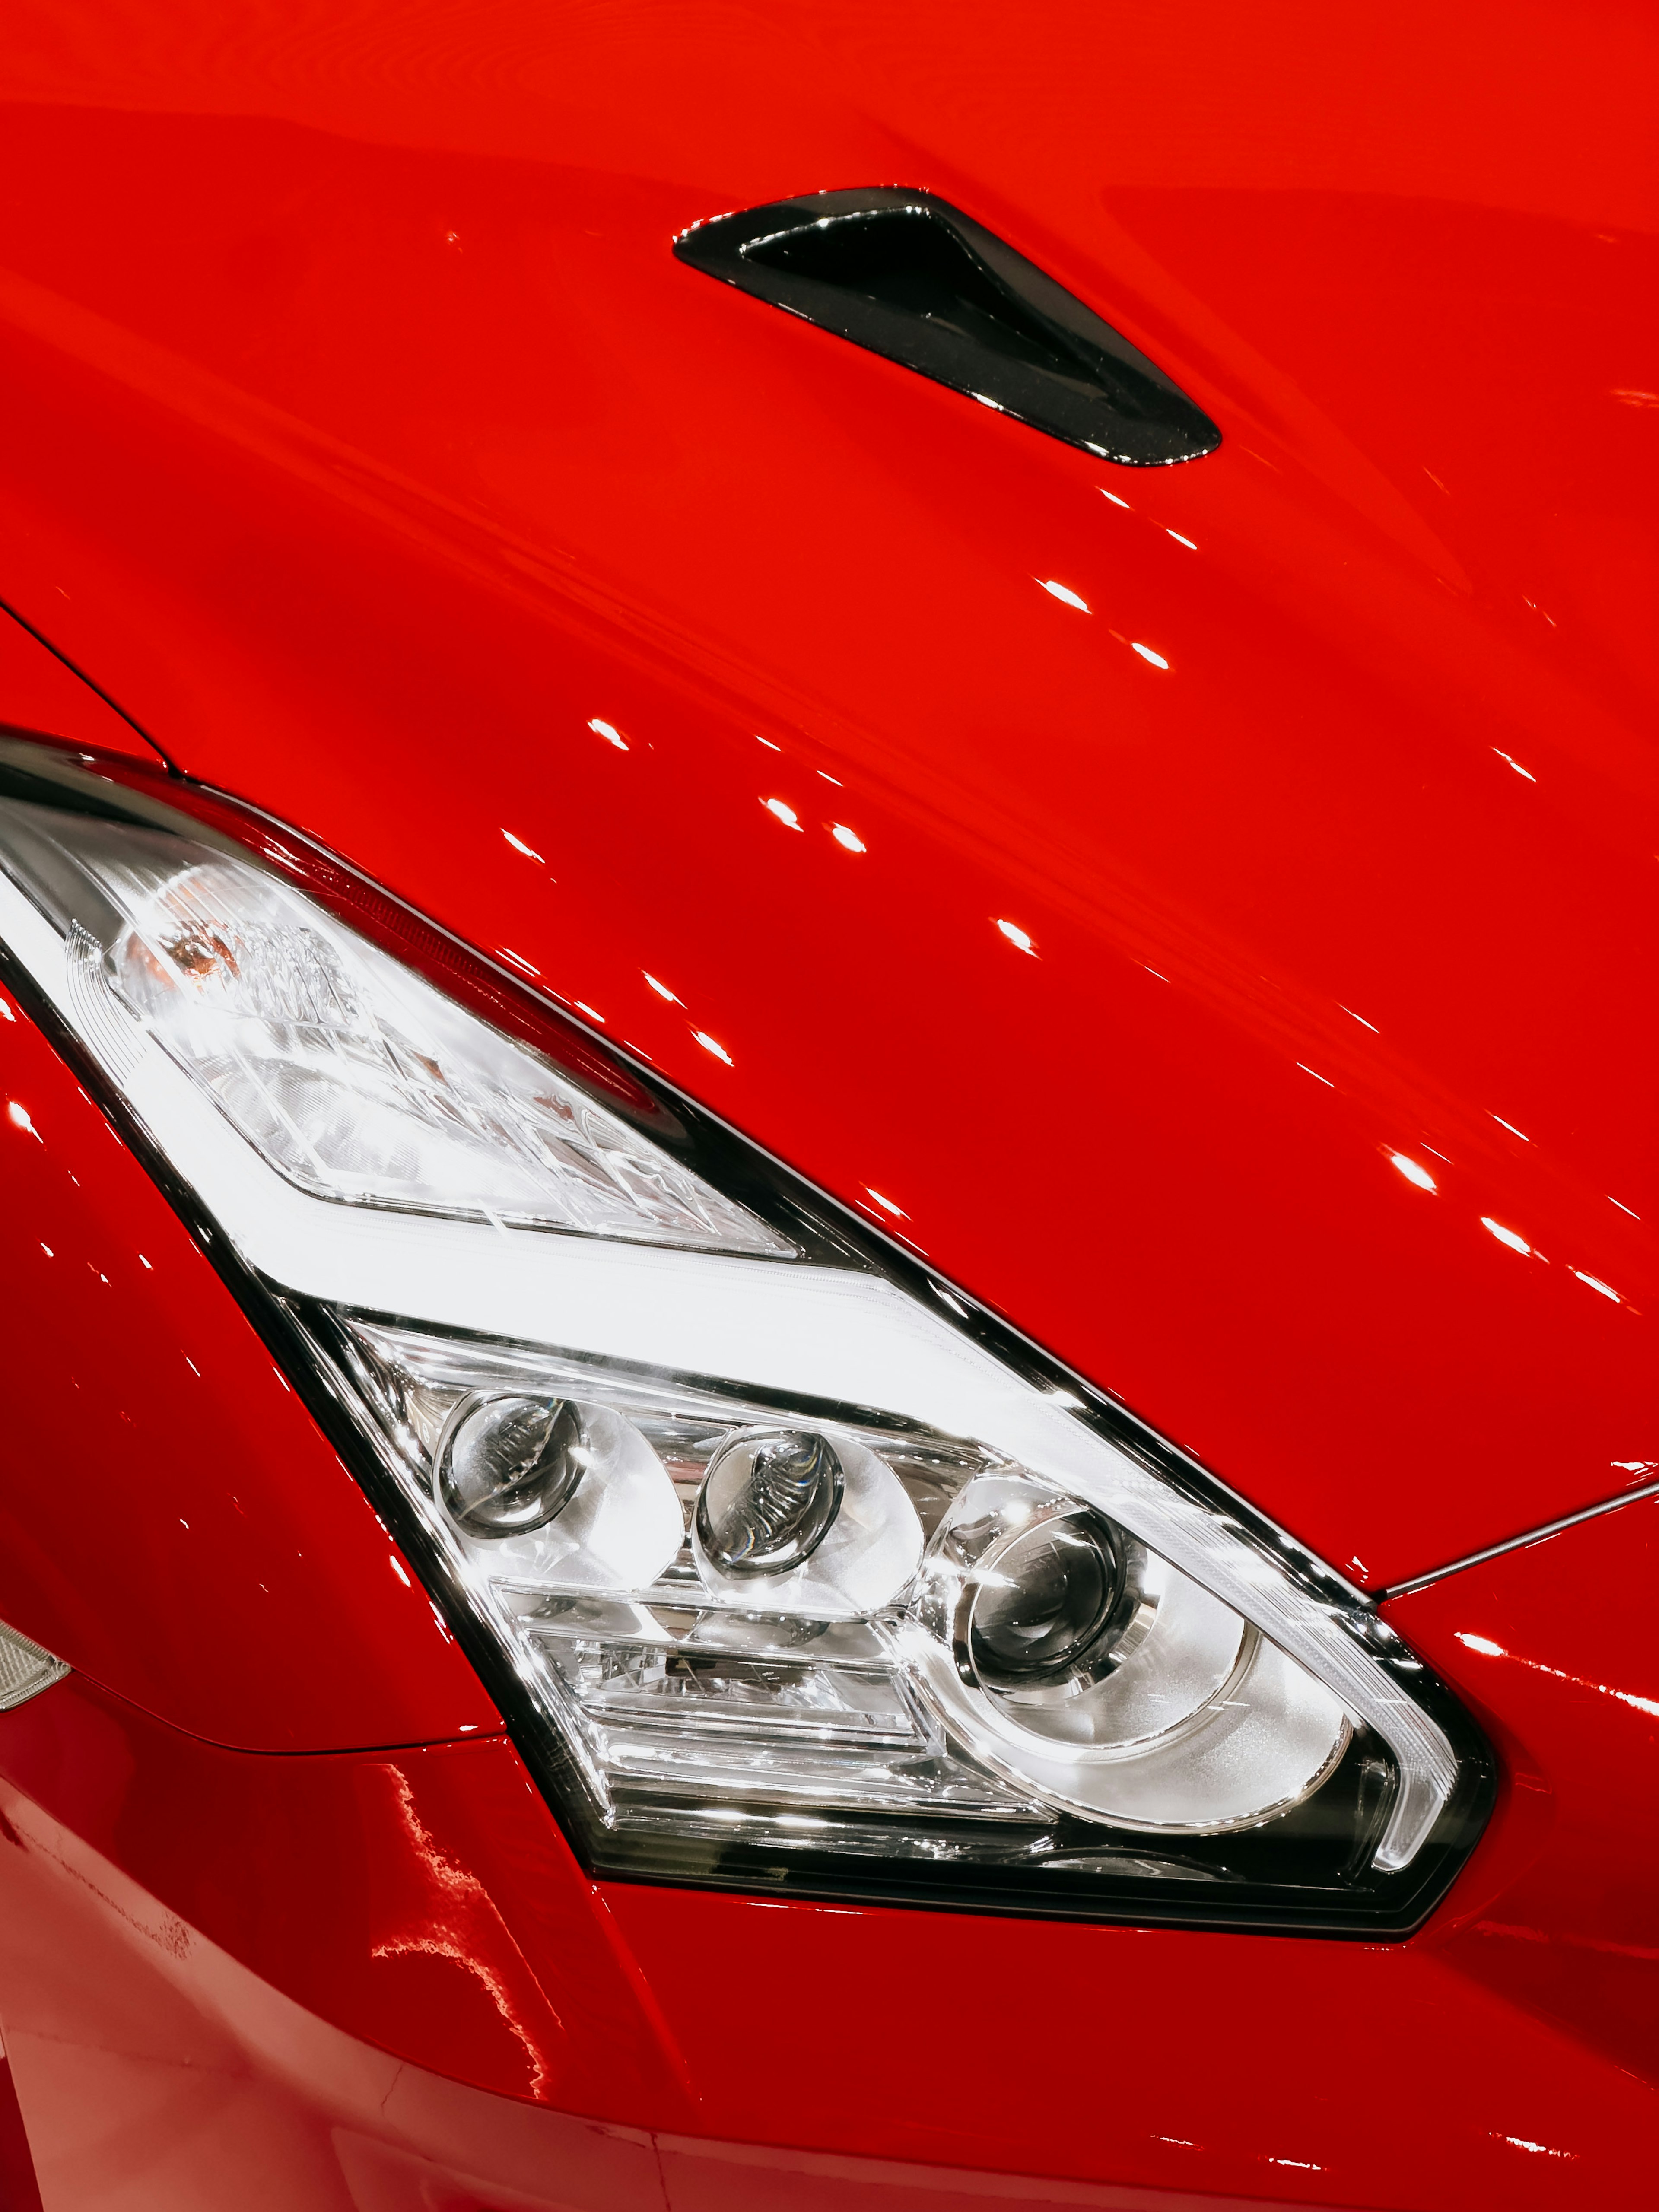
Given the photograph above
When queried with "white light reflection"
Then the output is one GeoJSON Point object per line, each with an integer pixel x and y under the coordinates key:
{"type": "Point", "coordinates": [1180, 540]}
{"type": "Point", "coordinates": [887, 1205]}
{"type": "Point", "coordinates": [1488, 1650]}
{"type": "Point", "coordinates": [1018, 936]}
{"type": "Point", "coordinates": [662, 989]}
{"type": "Point", "coordinates": [1064, 593]}
{"type": "Point", "coordinates": [1622, 1207]}
{"type": "Point", "coordinates": [592, 1013]}
{"type": "Point", "coordinates": [1315, 1074]}
{"type": "Point", "coordinates": [849, 838]}
{"type": "Point", "coordinates": [1506, 1236]}
{"type": "Point", "coordinates": [1510, 1127]}
{"type": "Point", "coordinates": [1147, 653]}
{"type": "Point", "coordinates": [519, 846]}
{"type": "Point", "coordinates": [1413, 1171]}
{"type": "Point", "coordinates": [768, 743]}
{"type": "Point", "coordinates": [783, 813]}
{"type": "Point", "coordinates": [1115, 500]}
{"type": "Point", "coordinates": [709, 1044]}
{"type": "Point", "coordinates": [1597, 1284]}
{"type": "Point", "coordinates": [611, 735]}
{"type": "Point", "coordinates": [1515, 764]}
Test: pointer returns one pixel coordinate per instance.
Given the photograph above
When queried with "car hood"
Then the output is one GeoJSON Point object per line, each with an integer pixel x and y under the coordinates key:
{"type": "Point", "coordinates": [1209, 912]}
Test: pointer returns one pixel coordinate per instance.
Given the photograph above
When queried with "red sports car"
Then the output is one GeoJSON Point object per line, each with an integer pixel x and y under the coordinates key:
{"type": "Point", "coordinates": [829, 1109]}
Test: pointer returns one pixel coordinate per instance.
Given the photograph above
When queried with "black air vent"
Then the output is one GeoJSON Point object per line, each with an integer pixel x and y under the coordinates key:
{"type": "Point", "coordinates": [910, 277]}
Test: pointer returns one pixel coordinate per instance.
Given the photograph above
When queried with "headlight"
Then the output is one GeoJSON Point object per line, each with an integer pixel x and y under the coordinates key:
{"type": "Point", "coordinates": [789, 1565]}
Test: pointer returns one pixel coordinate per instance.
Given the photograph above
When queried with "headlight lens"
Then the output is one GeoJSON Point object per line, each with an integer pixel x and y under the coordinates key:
{"type": "Point", "coordinates": [344, 1070]}
{"type": "Point", "coordinates": [789, 1578]}
{"type": "Point", "coordinates": [855, 1618]}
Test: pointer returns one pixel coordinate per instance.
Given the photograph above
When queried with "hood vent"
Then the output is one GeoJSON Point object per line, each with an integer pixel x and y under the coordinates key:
{"type": "Point", "coordinates": [910, 277]}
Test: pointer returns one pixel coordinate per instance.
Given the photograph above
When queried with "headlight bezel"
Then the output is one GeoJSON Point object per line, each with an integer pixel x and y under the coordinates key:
{"type": "Point", "coordinates": [305, 1339]}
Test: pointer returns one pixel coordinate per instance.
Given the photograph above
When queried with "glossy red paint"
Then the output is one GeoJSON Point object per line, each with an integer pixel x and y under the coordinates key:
{"type": "Point", "coordinates": [20, 2190]}
{"type": "Point", "coordinates": [156, 2071]}
{"type": "Point", "coordinates": [387, 1964]}
{"type": "Point", "coordinates": [1553, 1647]}
{"type": "Point", "coordinates": [384, 466]}
{"type": "Point", "coordinates": [441, 1915]}
{"type": "Point", "coordinates": [37, 691]}
{"type": "Point", "coordinates": [172, 1523]}
{"type": "Point", "coordinates": [382, 449]}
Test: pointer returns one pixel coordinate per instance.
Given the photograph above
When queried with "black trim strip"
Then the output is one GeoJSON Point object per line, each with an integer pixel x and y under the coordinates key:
{"type": "Point", "coordinates": [1517, 1543]}
{"type": "Point", "coordinates": [97, 689]}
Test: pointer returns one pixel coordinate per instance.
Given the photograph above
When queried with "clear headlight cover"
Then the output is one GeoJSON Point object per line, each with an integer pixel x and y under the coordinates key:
{"type": "Point", "coordinates": [789, 1566]}
{"type": "Point", "coordinates": [344, 1071]}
